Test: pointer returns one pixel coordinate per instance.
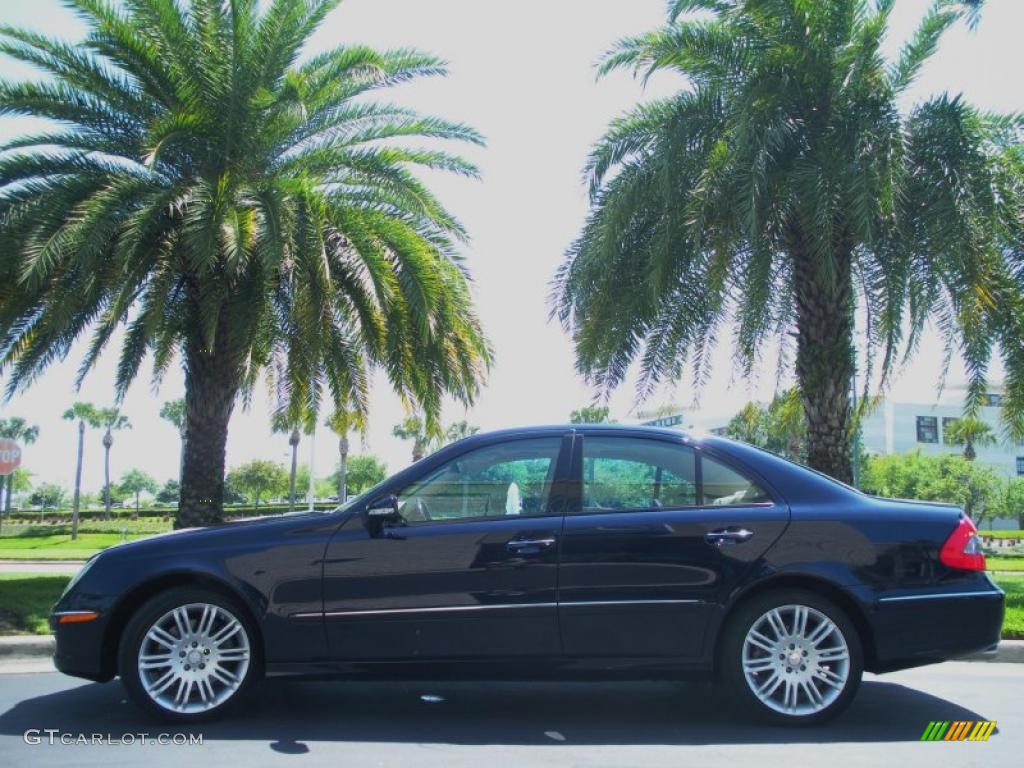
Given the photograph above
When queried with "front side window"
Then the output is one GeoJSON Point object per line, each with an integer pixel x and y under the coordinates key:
{"type": "Point", "coordinates": [634, 473]}
{"type": "Point", "coordinates": [512, 478]}
{"type": "Point", "coordinates": [1020, 466]}
{"type": "Point", "coordinates": [724, 486]}
{"type": "Point", "coordinates": [927, 429]}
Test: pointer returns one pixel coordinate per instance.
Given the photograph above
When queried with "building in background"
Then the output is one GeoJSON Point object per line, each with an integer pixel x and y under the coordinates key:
{"type": "Point", "coordinates": [894, 426]}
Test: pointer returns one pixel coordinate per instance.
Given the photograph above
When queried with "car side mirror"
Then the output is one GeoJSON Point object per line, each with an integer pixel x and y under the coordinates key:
{"type": "Point", "coordinates": [381, 512]}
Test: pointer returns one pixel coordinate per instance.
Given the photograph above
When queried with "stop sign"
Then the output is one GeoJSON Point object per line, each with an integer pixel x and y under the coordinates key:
{"type": "Point", "coordinates": [10, 456]}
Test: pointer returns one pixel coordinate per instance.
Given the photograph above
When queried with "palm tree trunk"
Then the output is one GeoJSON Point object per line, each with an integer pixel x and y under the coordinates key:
{"type": "Point", "coordinates": [824, 358]}
{"type": "Point", "coordinates": [136, 505]}
{"type": "Point", "coordinates": [107, 440]}
{"type": "Point", "coordinates": [295, 466]}
{"type": "Point", "coordinates": [10, 487]}
{"type": "Point", "coordinates": [211, 384]}
{"type": "Point", "coordinates": [342, 470]}
{"type": "Point", "coordinates": [2, 479]}
{"type": "Point", "coordinates": [78, 481]}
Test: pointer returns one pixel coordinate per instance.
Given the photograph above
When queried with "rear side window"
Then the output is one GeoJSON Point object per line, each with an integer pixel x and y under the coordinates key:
{"type": "Point", "coordinates": [633, 474]}
{"type": "Point", "coordinates": [725, 487]}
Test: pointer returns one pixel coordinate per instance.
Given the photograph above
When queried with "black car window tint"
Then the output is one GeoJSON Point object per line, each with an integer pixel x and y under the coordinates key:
{"type": "Point", "coordinates": [724, 486]}
{"type": "Point", "coordinates": [623, 473]}
{"type": "Point", "coordinates": [501, 480]}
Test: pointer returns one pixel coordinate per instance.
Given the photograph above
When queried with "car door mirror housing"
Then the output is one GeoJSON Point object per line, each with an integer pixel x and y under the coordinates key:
{"type": "Point", "coordinates": [381, 512]}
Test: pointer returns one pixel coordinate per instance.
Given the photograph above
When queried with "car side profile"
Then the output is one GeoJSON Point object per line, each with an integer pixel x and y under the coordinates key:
{"type": "Point", "coordinates": [550, 552]}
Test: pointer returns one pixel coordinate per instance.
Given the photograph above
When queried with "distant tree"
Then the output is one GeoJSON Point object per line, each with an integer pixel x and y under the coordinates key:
{"type": "Point", "coordinates": [780, 427]}
{"type": "Point", "coordinates": [112, 420]}
{"type": "Point", "coordinates": [341, 422]}
{"type": "Point", "coordinates": [86, 414]}
{"type": "Point", "coordinates": [168, 494]}
{"type": "Point", "coordinates": [413, 428]}
{"type": "Point", "coordinates": [950, 478]}
{"type": "Point", "coordinates": [134, 482]}
{"type": "Point", "coordinates": [1013, 500]}
{"type": "Point", "coordinates": [47, 496]}
{"type": "Point", "coordinates": [364, 471]}
{"type": "Point", "coordinates": [283, 422]}
{"type": "Point", "coordinates": [590, 414]}
{"type": "Point", "coordinates": [257, 478]}
{"type": "Point", "coordinates": [969, 431]}
{"type": "Point", "coordinates": [457, 430]}
{"type": "Point", "coordinates": [175, 411]}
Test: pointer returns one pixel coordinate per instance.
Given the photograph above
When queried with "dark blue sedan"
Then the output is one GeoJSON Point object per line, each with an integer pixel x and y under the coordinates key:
{"type": "Point", "coordinates": [576, 552]}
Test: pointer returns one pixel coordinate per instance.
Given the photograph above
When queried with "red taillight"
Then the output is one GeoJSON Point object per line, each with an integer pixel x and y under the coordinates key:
{"type": "Point", "coordinates": [963, 548]}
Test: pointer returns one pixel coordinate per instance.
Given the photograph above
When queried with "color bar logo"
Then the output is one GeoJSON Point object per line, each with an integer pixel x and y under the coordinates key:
{"type": "Point", "coordinates": [958, 730]}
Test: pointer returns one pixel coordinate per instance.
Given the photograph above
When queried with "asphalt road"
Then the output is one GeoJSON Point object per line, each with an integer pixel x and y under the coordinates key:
{"type": "Point", "coordinates": [493, 725]}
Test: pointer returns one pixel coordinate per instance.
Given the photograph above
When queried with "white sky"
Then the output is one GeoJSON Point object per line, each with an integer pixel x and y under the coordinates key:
{"type": "Point", "coordinates": [522, 74]}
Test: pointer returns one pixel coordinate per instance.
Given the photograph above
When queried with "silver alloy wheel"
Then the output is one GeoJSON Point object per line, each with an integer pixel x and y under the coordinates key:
{"type": "Point", "coordinates": [796, 660]}
{"type": "Point", "coordinates": [194, 658]}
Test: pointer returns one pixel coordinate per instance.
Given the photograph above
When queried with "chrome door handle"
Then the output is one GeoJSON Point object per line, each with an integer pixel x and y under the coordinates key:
{"type": "Point", "coordinates": [728, 536]}
{"type": "Point", "coordinates": [525, 546]}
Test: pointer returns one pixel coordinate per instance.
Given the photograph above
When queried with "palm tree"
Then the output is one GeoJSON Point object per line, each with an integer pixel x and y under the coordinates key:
{"type": "Point", "coordinates": [414, 428]}
{"type": "Point", "coordinates": [341, 421]}
{"type": "Point", "coordinates": [783, 190]}
{"type": "Point", "coordinates": [281, 424]}
{"type": "Point", "coordinates": [969, 431]}
{"type": "Point", "coordinates": [112, 420]}
{"type": "Point", "coordinates": [86, 414]}
{"type": "Point", "coordinates": [237, 210]}
{"type": "Point", "coordinates": [174, 412]}
{"type": "Point", "coordinates": [14, 428]}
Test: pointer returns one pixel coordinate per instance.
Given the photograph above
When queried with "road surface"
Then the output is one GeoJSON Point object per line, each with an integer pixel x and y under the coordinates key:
{"type": "Point", "coordinates": [500, 724]}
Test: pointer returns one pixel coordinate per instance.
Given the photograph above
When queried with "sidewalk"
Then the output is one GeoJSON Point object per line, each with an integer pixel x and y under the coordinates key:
{"type": "Point", "coordinates": [41, 566]}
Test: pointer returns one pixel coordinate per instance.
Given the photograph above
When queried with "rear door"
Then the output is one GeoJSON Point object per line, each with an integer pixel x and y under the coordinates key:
{"type": "Point", "coordinates": [657, 535]}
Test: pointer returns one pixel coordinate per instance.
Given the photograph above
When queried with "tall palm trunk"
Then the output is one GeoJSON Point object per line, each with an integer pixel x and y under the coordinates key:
{"type": "Point", "coordinates": [7, 501]}
{"type": "Point", "coordinates": [342, 470]}
{"type": "Point", "coordinates": [3, 478]}
{"type": "Point", "coordinates": [211, 384]}
{"type": "Point", "coordinates": [108, 440]}
{"type": "Point", "coordinates": [418, 449]}
{"type": "Point", "coordinates": [293, 441]}
{"type": "Point", "coordinates": [824, 358]}
{"type": "Point", "coordinates": [78, 481]}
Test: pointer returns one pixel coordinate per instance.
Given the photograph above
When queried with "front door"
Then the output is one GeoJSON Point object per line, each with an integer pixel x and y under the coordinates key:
{"type": "Point", "coordinates": [470, 572]}
{"type": "Point", "coordinates": [656, 538]}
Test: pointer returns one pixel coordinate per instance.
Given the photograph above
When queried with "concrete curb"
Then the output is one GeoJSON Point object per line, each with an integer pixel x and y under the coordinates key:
{"type": "Point", "coordinates": [37, 646]}
{"type": "Point", "coordinates": [33, 646]}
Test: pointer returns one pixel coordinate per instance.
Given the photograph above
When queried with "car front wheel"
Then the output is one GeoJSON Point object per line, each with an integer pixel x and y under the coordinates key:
{"type": "Point", "coordinates": [188, 654]}
{"type": "Point", "coordinates": [792, 657]}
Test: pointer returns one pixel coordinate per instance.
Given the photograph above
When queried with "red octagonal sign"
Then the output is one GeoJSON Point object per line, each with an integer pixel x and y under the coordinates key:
{"type": "Point", "coordinates": [10, 456]}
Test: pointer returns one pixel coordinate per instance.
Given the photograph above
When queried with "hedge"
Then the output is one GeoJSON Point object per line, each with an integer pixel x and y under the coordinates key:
{"type": "Point", "coordinates": [230, 511]}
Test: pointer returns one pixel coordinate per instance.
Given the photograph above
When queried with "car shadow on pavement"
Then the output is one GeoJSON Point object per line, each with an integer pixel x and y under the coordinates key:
{"type": "Point", "coordinates": [289, 713]}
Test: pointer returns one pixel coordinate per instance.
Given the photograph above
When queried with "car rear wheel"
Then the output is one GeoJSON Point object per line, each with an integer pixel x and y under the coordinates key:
{"type": "Point", "coordinates": [188, 654]}
{"type": "Point", "coordinates": [792, 657]}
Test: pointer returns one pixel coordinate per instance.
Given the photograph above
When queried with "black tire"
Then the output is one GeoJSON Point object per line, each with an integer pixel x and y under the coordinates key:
{"type": "Point", "coordinates": [730, 658]}
{"type": "Point", "coordinates": [139, 625]}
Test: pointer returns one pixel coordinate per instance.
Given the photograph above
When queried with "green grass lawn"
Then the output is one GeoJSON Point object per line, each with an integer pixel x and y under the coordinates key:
{"type": "Point", "coordinates": [1013, 623]}
{"type": "Point", "coordinates": [57, 546]}
{"type": "Point", "coordinates": [26, 600]}
{"type": "Point", "coordinates": [997, 563]}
